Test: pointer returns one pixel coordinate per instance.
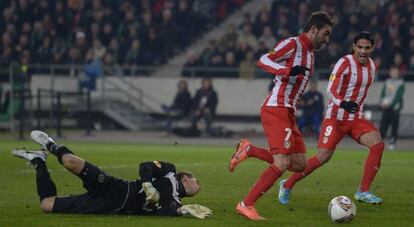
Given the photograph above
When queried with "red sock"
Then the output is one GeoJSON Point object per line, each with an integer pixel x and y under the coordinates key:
{"type": "Point", "coordinates": [266, 181]}
{"type": "Point", "coordinates": [313, 163]}
{"type": "Point", "coordinates": [260, 153]}
{"type": "Point", "coordinates": [372, 165]}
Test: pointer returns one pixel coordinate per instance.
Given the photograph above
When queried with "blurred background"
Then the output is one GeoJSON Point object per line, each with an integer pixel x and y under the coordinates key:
{"type": "Point", "coordinates": [156, 65]}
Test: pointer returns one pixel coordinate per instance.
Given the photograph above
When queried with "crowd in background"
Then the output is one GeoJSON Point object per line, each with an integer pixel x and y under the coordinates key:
{"type": "Point", "coordinates": [127, 33]}
{"type": "Point", "coordinates": [392, 23]}
{"type": "Point", "coordinates": [118, 32]}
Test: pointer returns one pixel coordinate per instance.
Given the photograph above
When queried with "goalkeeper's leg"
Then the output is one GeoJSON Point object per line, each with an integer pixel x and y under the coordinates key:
{"type": "Point", "coordinates": [71, 162]}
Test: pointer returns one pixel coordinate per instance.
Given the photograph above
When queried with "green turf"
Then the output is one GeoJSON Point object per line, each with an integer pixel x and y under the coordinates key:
{"type": "Point", "coordinates": [221, 190]}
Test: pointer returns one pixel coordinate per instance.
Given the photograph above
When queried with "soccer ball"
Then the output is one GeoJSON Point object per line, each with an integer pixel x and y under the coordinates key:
{"type": "Point", "coordinates": [341, 209]}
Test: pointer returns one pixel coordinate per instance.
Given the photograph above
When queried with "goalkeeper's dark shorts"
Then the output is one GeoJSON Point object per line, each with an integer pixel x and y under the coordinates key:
{"type": "Point", "coordinates": [105, 194]}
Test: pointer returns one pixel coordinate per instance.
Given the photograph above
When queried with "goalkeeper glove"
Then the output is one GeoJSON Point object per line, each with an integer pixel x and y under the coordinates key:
{"type": "Point", "coordinates": [196, 210]}
{"type": "Point", "coordinates": [349, 106]}
{"type": "Point", "coordinates": [153, 196]}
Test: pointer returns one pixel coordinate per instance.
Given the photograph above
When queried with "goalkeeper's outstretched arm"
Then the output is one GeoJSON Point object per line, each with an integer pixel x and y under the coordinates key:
{"type": "Point", "coordinates": [155, 169]}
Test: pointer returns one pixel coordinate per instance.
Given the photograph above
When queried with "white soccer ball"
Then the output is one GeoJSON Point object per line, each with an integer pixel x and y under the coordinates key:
{"type": "Point", "coordinates": [341, 209]}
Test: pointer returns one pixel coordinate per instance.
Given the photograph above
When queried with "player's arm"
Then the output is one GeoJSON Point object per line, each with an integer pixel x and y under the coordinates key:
{"type": "Point", "coordinates": [155, 169]}
{"type": "Point", "coordinates": [149, 170]}
{"type": "Point", "coordinates": [341, 68]}
{"type": "Point", "coordinates": [269, 62]}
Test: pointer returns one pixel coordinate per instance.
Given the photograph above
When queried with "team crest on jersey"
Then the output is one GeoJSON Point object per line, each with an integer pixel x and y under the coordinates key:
{"type": "Point", "coordinates": [157, 163]}
{"type": "Point", "coordinates": [332, 77]}
{"type": "Point", "coordinates": [325, 140]}
{"type": "Point", "coordinates": [286, 144]}
{"type": "Point", "coordinates": [101, 178]}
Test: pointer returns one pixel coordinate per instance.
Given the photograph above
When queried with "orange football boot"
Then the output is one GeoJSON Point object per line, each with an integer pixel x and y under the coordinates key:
{"type": "Point", "coordinates": [240, 154]}
{"type": "Point", "coordinates": [249, 212]}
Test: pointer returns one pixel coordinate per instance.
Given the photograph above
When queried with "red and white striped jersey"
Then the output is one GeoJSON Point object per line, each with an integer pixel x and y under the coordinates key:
{"type": "Point", "coordinates": [349, 81]}
{"type": "Point", "coordinates": [286, 54]}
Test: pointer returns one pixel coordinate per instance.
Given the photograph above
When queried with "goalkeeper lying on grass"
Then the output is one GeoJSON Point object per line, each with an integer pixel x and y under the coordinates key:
{"type": "Point", "coordinates": [158, 191]}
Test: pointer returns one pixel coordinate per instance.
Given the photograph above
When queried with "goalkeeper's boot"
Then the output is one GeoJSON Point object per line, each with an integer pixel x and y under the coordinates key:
{"type": "Point", "coordinates": [41, 138]}
{"type": "Point", "coordinates": [284, 193]}
{"type": "Point", "coordinates": [367, 197]}
{"type": "Point", "coordinates": [240, 154]}
{"type": "Point", "coordinates": [249, 212]}
{"type": "Point", "coordinates": [29, 155]}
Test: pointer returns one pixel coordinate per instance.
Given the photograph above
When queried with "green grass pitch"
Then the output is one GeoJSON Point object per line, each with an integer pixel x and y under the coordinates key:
{"type": "Point", "coordinates": [19, 205]}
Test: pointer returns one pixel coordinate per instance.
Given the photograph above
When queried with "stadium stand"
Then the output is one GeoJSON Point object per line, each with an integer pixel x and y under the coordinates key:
{"type": "Point", "coordinates": [123, 33]}
{"type": "Point", "coordinates": [392, 22]}
{"type": "Point", "coordinates": [74, 39]}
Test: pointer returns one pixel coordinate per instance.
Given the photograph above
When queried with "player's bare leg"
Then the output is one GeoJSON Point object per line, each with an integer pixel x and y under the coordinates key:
{"type": "Point", "coordinates": [297, 162]}
{"type": "Point", "coordinates": [71, 162]}
{"type": "Point", "coordinates": [285, 186]}
{"type": "Point", "coordinates": [374, 142]}
{"type": "Point", "coordinates": [262, 185]}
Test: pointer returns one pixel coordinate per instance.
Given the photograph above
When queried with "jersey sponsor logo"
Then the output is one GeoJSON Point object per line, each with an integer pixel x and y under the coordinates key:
{"type": "Point", "coordinates": [332, 77]}
{"type": "Point", "coordinates": [157, 163]}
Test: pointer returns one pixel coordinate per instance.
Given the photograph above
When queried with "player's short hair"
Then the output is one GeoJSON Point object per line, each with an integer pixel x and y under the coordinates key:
{"type": "Point", "coordinates": [319, 19]}
{"type": "Point", "coordinates": [182, 174]}
{"type": "Point", "coordinates": [365, 35]}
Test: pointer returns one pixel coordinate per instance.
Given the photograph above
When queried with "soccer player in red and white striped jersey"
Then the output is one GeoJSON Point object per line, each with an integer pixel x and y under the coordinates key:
{"type": "Point", "coordinates": [291, 63]}
{"type": "Point", "coordinates": [348, 86]}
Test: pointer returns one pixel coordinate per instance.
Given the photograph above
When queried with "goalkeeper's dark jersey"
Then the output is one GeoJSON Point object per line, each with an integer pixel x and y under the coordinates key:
{"type": "Point", "coordinates": [162, 176]}
{"type": "Point", "coordinates": [109, 195]}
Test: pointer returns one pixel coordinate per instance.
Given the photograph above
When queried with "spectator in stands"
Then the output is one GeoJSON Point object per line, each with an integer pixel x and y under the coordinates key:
{"type": "Point", "coordinates": [185, 22]}
{"type": "Point", "coordinates": [97, 48]}
{"type": "Point", "coordinates": [399, 62]}
{"type": "Point", "coordinates": [150, 51]}
{"type": "Point", "coordinates": [44, 53]}
{"type": "Point", "coordinates": [113, 49]}
{"type": "Point", "coordinates": [204, 9]}
{"type": "Point", "coordinates": [78, 23]}
{"type": "Point", "coordinates": [312, 109]}
{"type": "Point", "coordinates": [81, 44]}
{"type": "Point", "coordinates": [190, 66]}
{"type": "Point", "coordinates": [241, 50]}
{"type": "Point", "coordinates": [133, 57]}
{"type": "Point", "coordinates": [267, 37]}
{"type": "Point", "coordinates": [262, 20]}
{"type": "Point", "coordinates": [247, 19]}
{"type": "Point", "coordinates": [180, 107]}
{"type": "Point", "coordinates": [204, 105]}
{"type": "Point", "coordinates": [210, 50]}
{"type": "Point", "coordinates": [58, 51]}
{"type": "Point", "coordinates": [216, 64]}
{"type": "Point", "coordinates": [248, 66]}
{"type": "Point", "coordinates": [229, 40]}
{"type": "Point", "coordinates": [92, 70]}
{"type": "Point", "coordinates": [111, 66]}
{"type": "Point", "coordinates": [392, 103]}
{"type": "Point", "coordinates": [230, 66]}
{"type": "Point", "coordinates": [168, 31]}
{"type": "Point", "coordinates": [248, 37]}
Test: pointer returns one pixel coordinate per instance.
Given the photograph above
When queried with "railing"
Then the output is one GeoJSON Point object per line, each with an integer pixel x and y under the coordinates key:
{"type": "Point", "coordinates": [73, 70]}
{"type": "Point", "coordinates": [132, 92]}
